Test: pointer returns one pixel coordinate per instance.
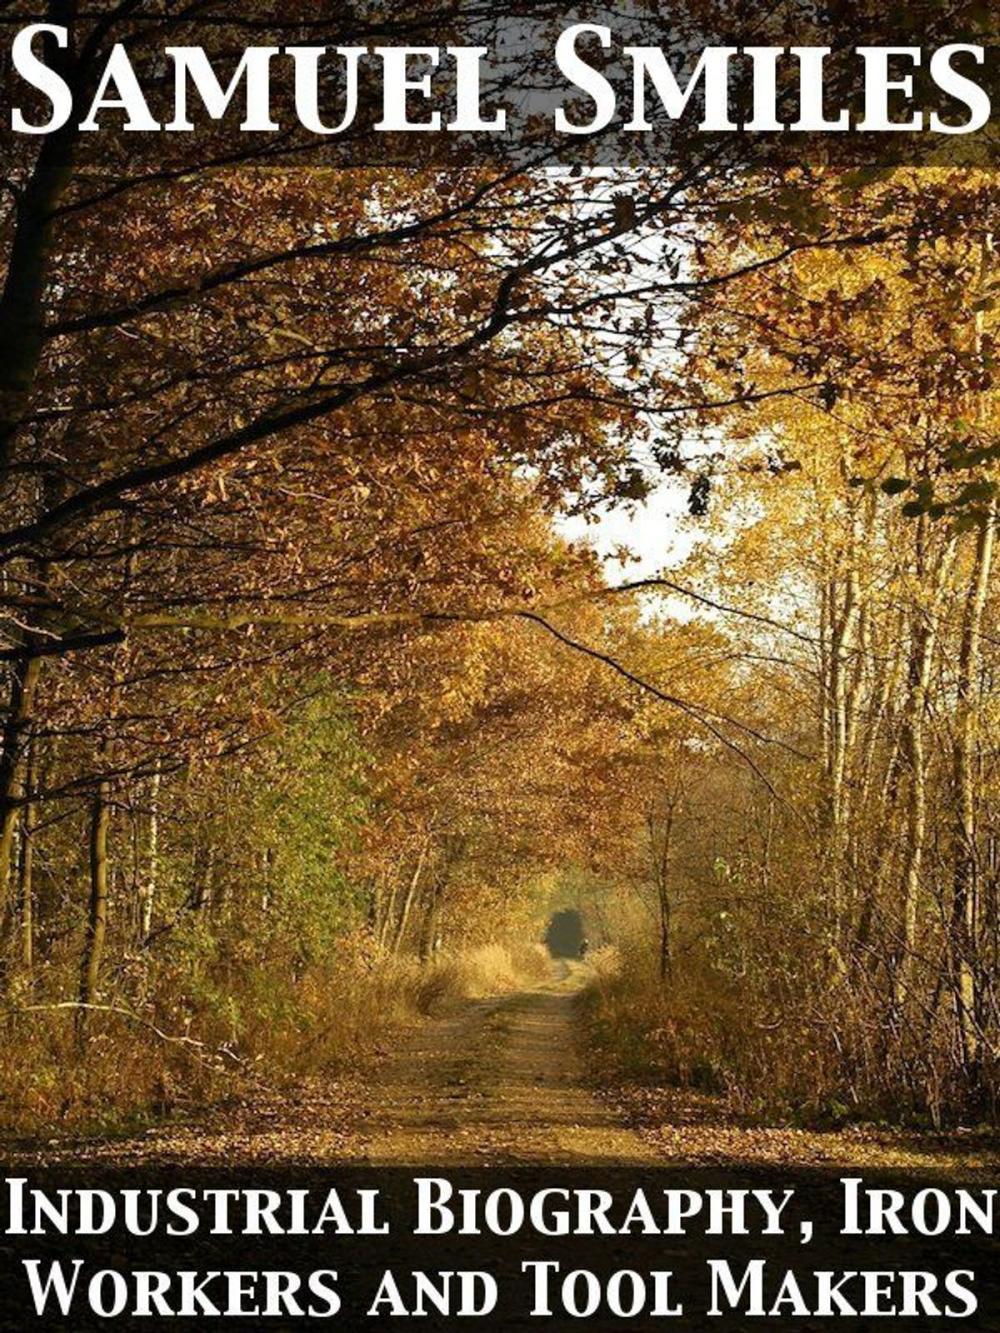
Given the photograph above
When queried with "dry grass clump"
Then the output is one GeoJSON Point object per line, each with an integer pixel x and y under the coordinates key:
{"type": "Point", "coordinates": [766, 1058]}
{"type": "Point", "coordinates": [489, 969]}
{"type": "Point", "coordinates": [648, 1032]}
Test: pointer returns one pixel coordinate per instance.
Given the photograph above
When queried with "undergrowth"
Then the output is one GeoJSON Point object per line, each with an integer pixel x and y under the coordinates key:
{"type": "Point", "coordinates": [796, 1050]}
{"type": "Point", "coordinates": [169, 1042]}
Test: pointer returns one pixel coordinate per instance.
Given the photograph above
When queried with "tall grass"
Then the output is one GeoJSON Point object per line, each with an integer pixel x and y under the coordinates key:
{"type": "Point", "coordinates": [780, 1044]}
{"type": "Point", "coordinates": [195, 1031]}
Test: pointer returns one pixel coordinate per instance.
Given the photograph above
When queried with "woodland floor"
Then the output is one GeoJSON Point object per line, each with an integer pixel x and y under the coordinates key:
{"type": "Point", "coordinates": [503, 1081]}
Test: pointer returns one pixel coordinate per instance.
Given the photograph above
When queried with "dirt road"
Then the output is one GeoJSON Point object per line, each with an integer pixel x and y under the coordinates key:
{"type": "Point", "coordinates": [501, 1082]}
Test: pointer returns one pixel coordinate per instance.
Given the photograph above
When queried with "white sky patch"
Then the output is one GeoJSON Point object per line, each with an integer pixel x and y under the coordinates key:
{"type": "Point", "coordinates": [658, 533]}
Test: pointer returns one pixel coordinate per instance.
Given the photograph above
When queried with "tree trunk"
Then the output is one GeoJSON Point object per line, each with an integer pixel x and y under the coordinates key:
{"type": "Point", "coordinates": [663, 896]}
{"type": "Point", "coordinates": [914, 750]}
{"type": "Point", "coordinates": [22, 315]}
{"type": "Point", "coordinates": [660, 827]}
{"type": "Point", "coordinates": [97, 915]}
{"type": "Point", "coordinates": [432, 917]}
{"type": "Point", "coordinates": [147, 897]}
{"type": "Point", "coordinates": [24, 683]}
{"type": "Point", "coordinates": [388, 912]}
{"type": "Point", "coordinates": [100, 820]}
{"type": "Point", "coordinates": [267, 876]}
{"type": "Point", "coordinates": [27, 888]}
{"type": "Point", "coordinates": [965, 893]}
{"type": "Point", "coordinates": [844, 693]}
{"type": "Point", "coordinates": [205, 896]}
{"type": "Point", "coordinates": [411, 892]}
{"type": "Point", "coordinates": [965, 875]}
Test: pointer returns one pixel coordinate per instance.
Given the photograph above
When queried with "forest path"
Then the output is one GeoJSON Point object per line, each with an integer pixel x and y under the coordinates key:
{"type": "Point", "coordinates": [502, 1081]}
{"type": "Point", "coordinates": [499, 1082]}
{"type": "Point", "coordinates": [495, 1081]}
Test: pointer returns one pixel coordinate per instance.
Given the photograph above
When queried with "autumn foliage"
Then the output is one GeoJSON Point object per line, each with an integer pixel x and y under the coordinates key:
{"type": "Point", "coordinates": [306, 688]}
